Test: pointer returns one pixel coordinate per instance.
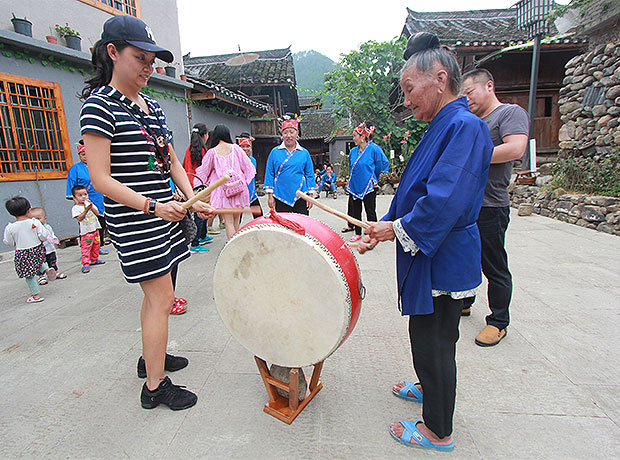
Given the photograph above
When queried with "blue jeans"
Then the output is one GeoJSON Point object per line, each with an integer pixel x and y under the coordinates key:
{"type": "Point", "coordinates": [201, 225]}
{"type": "Point", "coordinates": [329, 187]}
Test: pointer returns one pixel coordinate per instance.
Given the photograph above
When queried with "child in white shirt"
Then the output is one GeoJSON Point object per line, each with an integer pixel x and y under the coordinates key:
{"type": "Point", "coordinates": [49, 244]}
{"type": "Point", "coordinates": [86, 213]}
{"type": "Point", "coordinates": [26, 235]}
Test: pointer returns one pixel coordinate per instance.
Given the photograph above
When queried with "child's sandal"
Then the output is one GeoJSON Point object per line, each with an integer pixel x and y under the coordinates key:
{"type": "Point", "coordinates": [42, 281]}
{"type": "Point", "coordinates": [85, 269]}
{"type": "Point", "coordinates": [31, 299]}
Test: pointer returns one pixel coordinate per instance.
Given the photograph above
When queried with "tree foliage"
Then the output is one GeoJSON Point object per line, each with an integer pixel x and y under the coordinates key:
{"type": "Point", "coordinates": [366, 87]}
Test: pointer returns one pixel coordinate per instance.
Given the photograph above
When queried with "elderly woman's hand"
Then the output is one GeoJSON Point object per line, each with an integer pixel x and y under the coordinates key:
{"type": "Point", "coordinates": [366, 244]}
{"type": "Point", "coordinates": [380, 231]}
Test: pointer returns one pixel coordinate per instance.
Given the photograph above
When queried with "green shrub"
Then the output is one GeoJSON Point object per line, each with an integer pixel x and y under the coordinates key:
{"type": "Point", "coordinates": [598, 175]}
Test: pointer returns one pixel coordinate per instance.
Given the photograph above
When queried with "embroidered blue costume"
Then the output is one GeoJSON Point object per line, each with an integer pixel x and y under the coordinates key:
{"type": "Point", "coordinates": [436, 206]}
{"type": "Point", "coordinates": [365, 167]}
{"type": "Point", "coordinates": [328, 183]}
{"type": "Point", "coordinates": [252, 185]}
{"type": "Point", "coordinates": [287, 172]}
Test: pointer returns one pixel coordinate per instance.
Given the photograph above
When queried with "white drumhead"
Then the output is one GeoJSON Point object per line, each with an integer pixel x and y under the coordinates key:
{"type": "Point", "coordinates": [281, 295]}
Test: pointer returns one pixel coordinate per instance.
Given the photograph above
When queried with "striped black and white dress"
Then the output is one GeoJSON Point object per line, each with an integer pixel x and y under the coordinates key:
{"type": "Point", "coordinates": [148, 247]}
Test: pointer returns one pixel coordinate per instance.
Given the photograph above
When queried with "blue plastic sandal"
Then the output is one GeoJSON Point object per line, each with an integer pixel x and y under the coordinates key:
{"type": "Point", "coordinates": [98, 262]}
{"type": "Point", "coordinates": [420, 440]}
{"type": "Point", "coordinates": [403, 393]}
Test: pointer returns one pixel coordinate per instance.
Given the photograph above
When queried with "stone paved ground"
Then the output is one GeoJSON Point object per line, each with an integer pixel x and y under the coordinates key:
{"type": "Point", "coordinates": [550, 390]}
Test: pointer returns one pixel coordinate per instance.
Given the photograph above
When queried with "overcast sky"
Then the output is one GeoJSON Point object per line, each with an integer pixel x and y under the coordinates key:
{"type": "Point", "coordinates": [331, 27]}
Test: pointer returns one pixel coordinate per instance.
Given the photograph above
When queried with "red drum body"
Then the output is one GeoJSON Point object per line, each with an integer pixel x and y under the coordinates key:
{"type": "Point", "coordinates": [288, 288]}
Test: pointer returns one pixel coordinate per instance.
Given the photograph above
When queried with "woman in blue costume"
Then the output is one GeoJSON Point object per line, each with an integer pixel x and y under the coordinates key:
{"type": "Point", "coordinates": [244, 140]}
{"type": "Point", "coordinates": [433, 218]}
{"type": "Point", "coordinates": [289, 168]}
{"type": "Point", "coordinates": [366, 163]}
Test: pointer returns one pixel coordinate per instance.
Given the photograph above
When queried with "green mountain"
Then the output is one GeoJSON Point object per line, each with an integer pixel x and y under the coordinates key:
{"type": "Point", "coordinates": [310, 69]}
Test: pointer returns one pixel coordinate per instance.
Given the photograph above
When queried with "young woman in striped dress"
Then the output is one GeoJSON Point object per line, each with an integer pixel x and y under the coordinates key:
{"type": "Point", "coordinates": [131, 161]}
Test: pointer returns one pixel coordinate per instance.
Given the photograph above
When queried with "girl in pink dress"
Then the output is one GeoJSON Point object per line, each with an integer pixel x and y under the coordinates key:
{"type": "Point", "coordinates": [226, 158]}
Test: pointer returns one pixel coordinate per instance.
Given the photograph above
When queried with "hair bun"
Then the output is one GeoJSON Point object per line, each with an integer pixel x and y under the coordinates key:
{"type": "Point", "coordinates": [420, 42]}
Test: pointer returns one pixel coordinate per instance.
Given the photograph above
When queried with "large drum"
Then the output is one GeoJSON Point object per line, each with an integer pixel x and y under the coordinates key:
{"type": "Point", "coordinates": [288, 289]}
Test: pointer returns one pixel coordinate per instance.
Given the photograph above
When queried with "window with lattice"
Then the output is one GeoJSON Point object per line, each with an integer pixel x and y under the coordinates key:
{"type": "Point", "coordinates": [131, 7]}
{"type": "Point", "coordinates": [33, 131]}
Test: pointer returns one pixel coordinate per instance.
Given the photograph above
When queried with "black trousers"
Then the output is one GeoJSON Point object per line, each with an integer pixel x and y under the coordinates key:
{"type": "Point", "coordinates": [173, 274]}
{"type": "Point", "coordinates": [433, 347]}
{"type": "Point", "coordinates": [493, 223]}
{"type": "Point", "coordinates": [102, 230]}
{"type": "Point", "coordinates": [257, 213]}
{"type": "Point", "coordinates": [300, 207]}
{"type": "Point", "coordinates": [354, 209]}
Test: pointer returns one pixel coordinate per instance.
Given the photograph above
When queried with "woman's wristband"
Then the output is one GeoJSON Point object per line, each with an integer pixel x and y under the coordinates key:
{"type": "Point", "coordinates": [147, 202]}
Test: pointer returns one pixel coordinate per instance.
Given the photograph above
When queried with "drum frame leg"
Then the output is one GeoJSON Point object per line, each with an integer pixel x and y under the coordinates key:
{"type": "Point", "coordinates": [287, 409]}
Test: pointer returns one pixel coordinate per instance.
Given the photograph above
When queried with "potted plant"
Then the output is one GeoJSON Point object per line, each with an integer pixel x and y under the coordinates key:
{"type": "Point", "coordinates": [171, 71]}
{"type": "Point", "coordinates": [51, 38]}
{"type": "Point", "coordinates": [22, 26]}
{"type": "Point", "coordinates": [72, 37]}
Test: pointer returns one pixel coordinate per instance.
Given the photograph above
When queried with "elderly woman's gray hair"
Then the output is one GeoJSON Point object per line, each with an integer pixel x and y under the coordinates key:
{"type": "Point", "coordinates": [424, 51]}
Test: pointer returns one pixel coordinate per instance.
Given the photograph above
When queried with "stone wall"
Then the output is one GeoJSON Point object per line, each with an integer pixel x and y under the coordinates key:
{"type": "Point", "coordinates": [600, 213]}
{"type": "Point", "coordinates": [590, 102]}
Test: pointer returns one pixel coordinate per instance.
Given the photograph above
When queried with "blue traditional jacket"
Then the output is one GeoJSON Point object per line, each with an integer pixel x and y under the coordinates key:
{"type": "Point", "coordinates": [365, 168]}
{"type": "Point", "coordinates": [287, 172]}
{"type": "Point", "coordinates": [325, 180]}
{"type": "Point", "coordinates": [438, 201]}
{"type": "Point", "coordinates": [252, 185]}
{"type": "Point", "coordinates": [78, 175]}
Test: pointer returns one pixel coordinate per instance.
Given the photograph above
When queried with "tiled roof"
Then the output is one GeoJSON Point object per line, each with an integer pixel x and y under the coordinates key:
{"type": "Point", "coordinates": [229, 95]}
{"type": "Point", "coordinates": [317, 124]}
{"type": "Point", "coordinates": [273, 67]}
{"type": "Point", "coordinates": [473, 28]}
{"type": "Point", "coordinates": [309, 100]}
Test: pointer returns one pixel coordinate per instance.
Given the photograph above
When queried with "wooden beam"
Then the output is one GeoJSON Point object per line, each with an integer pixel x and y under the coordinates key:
{"type": "Point", "coordinates": [203, 95]}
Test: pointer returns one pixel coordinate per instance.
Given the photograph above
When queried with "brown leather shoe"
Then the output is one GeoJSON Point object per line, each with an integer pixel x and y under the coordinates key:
{"type": "Point", "coordinates": [490, 336]}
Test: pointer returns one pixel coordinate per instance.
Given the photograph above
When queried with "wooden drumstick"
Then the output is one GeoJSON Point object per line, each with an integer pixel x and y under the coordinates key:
{"type": "Point", "coordinates": [206, 192]}
{"type": "Point", "coordinates": [333, 211]}
{"type": "Point", "coordinates": [251, 209]}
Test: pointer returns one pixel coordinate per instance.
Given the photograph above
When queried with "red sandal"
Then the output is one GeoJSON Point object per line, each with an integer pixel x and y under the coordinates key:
{"type": "Point", "coordinates": [178, 309]}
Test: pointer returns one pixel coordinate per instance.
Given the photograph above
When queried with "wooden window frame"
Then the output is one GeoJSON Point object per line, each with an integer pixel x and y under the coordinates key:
{"type": "Point", "coordinates": [54, 88]}
{"type": "Point", "coordinates": [110, 9]}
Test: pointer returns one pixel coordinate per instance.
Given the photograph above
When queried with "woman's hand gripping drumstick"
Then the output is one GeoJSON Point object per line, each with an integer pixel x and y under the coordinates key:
{"type": "Point", "coordinates": [366, 244]}
{"type": "Point", "coordinates": [204, 194]}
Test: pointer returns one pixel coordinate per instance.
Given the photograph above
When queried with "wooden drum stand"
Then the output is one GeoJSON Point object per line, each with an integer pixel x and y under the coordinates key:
{"type": "Point", "coordinates": [287, 409]}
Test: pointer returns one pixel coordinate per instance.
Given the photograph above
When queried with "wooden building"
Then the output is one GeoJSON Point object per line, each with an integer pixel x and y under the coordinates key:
{"type": "Point", "coordinates": [487, 39]}
{"type": "Point", "coordinates": [264, 76]}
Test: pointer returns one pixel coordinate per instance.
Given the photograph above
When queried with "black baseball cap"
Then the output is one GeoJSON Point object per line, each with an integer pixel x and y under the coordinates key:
{"type": "Point", "coordinates": [135, 32]}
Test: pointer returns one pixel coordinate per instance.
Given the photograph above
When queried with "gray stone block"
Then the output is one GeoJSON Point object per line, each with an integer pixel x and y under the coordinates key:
{"type": "Point", "coordinates": [592, 214]}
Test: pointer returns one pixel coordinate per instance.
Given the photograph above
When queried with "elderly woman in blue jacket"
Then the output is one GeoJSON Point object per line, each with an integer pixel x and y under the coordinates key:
{"type": "Point", "coordinates": [433, 219]}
